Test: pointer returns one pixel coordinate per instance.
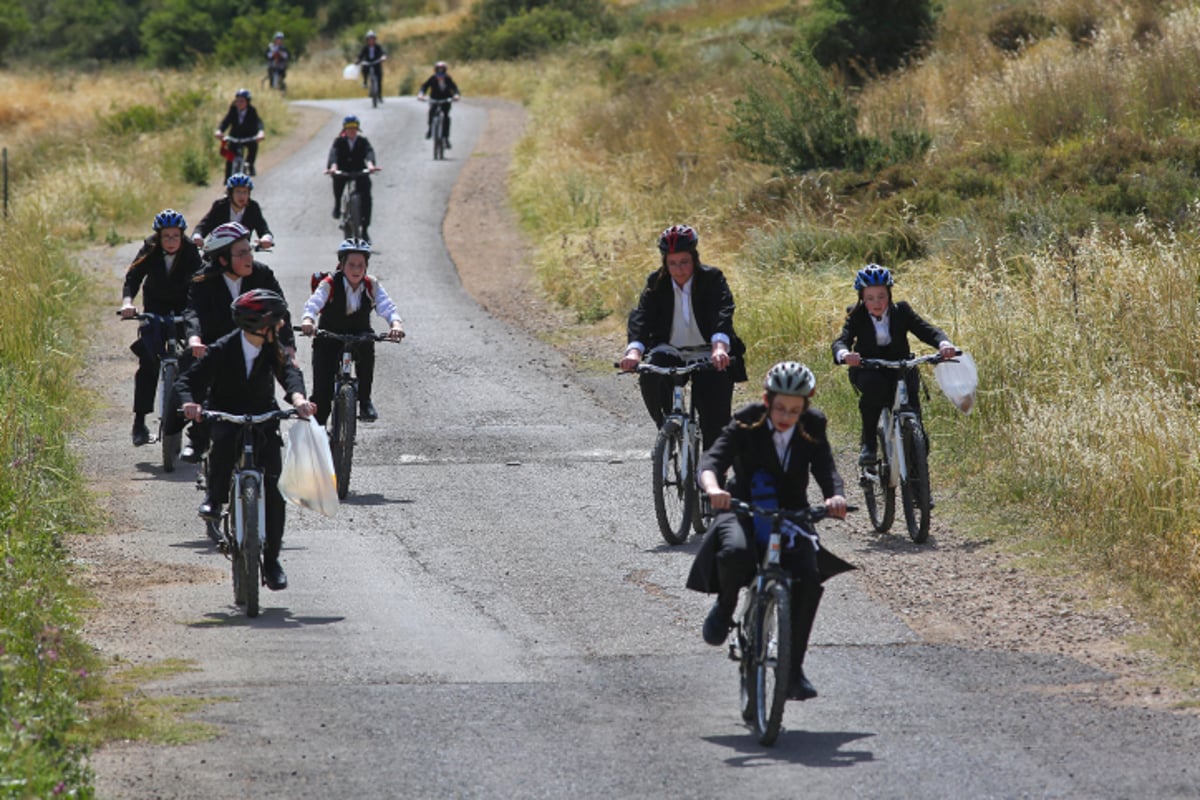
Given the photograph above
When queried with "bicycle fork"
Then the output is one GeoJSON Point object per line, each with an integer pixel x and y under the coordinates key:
{"type": "Point", "coordinates": [248, 488]}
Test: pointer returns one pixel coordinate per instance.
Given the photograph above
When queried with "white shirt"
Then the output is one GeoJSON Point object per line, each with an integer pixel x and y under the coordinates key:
{"type": "Point", "coordinates": [249, 352]}
{"type": "Point", "coordinates": [782, 440]}
{"type": "Point", "coordinates": [384, 306]}
{"type": "Point", "coordinates": [684, 330]}
{"type": "Point", "coordinates": [235, 286]}
{"type": "Point", "coordinates": [883, 329]}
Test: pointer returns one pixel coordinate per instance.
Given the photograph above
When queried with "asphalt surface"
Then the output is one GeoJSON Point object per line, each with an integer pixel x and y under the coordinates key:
{"type": "Point", "coordinates": [493, 614]}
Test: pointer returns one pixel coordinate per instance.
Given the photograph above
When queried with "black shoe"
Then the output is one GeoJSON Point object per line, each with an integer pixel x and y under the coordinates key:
{"type": "Point", "coordinates": [190, 454]}
{"type": "Point", "coordinates": [367, 412]}
{"type": "Point", "coordinates": [274, 575]}
{"type": "Point", "coordinates": [337, 212]}
{"type": "Point", "coordinates": [210, 511]}
{"type": "Point", "coordinates": [140, 434]}
{"type": "Point", "coordinates": [250, 169]}
{"type": "Point", "coordinates": [717, 625]}
{"type": "Point", "coordinates": [866, 456]}
{"type": "Point", "coordinates": [801, 689]}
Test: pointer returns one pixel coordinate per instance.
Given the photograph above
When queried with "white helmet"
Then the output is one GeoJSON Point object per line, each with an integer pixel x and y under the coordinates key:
{"type": "Point", "coordinates": [790, 378]}
{"type": "Point", "coordinates": [224, 236]}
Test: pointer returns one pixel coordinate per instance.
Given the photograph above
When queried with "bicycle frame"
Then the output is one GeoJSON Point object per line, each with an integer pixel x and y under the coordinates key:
{"type": "Point", "coordinates": [891, 418]}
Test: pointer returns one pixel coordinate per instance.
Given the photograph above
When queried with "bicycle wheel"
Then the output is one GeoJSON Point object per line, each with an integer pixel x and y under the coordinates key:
{"type": "Point", "coordinates": [879, 494]}
{"type": "Point", "coordinates": [747, 675]}
{"type": "Point", "coordinates": [352, 218]}
{"type": "Point", "coordinates": [170, 442]}
{"type": "Point", "coordinates": [250, 552]}
{"type": "Point", "coordinates": [673, 500]}
{"type": "Point", "coordinates": [239, 163]}
{"type": "Point", "coordinates": [772, 661]}
{"type": "Point", "coordinates": [375, 98]}
{"type": "Point", "coordinates": [439, 144]}
{"type": "Point", "coordinates": [341, 444]}
{"type": "Point", "coordinates": [914, 490]}
{"type": "Point", "coordinates": [699, 520]}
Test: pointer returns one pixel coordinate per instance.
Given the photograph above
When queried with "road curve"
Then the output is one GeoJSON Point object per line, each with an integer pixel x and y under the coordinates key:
{"type": "Point", "coordinates": [492, 612]}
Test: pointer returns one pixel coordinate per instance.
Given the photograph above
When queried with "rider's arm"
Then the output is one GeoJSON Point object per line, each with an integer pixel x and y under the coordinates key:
{"type": "Point", "coordinates": [928, 333]}
{"type": "Point", "coordinates": [824, 468]}
{"type": "Point", "coordinates": [844, 344]}
{"type": "Point", "coordinates": [384, 306]}
{"type": "Point", "coordinates": [317, 300]}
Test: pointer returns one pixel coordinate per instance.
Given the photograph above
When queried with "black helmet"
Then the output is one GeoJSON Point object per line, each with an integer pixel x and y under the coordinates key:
{"type": "Point", "coordinates": [678, 238]}
{"type": "Point", "coordinates": [258, 308]}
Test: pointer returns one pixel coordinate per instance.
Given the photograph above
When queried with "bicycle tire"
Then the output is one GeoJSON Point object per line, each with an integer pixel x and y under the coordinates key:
{"type": "Point", "coordinates": [878, 493]}
{"type": "Point", "coordinates": [341, 444]}
{"type": "Point", "coordinates": [772, 661]}
{"type": "Point", "coordinates": [673, 501]}
{"type": "Point", "coordinates": [747, 677]}
{"type": "Point", "coordinates": [250, 551]}
{"type": "Point", "coordinates": [699, 520]}
{"type": "Point", "coordinates": [914, 490]}
{"type": "Point", "coordinates": [238, 165]}
{"type": "Point", "coordinates": [352, 220]}
{"type": "Point", "coordinates": [376, 99]}
{"type": "Point", "coordinates": [170, 443]}
{"type": "Point", "coordinates": [439, 143]}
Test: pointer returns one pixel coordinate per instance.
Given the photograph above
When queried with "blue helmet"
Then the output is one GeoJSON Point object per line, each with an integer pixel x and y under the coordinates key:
{"type": "Point", "coordinates": [242, 93]}
{"type": "Point", "coordinates": [169, 218]}
{"type": "Point", "coordinates": [239, 179]}
{"type": "Point", "coordinates": [872, 275]}
{"type": "Point", "coordinates": [350, 122]}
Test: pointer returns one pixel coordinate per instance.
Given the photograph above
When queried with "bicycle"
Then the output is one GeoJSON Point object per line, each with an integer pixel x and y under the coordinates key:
{"type": "Point", "coordinates": [437, 127]}
{"type": "Point", "coordinates": [343, 415]}
{"type": "Point", "coordinates": [374, 80]}
{"type": "Point", "coordinates": [677, 503]}
{"type": "Point", "coordinates": [241, 531]}
{"type": "Point", "coordinates": [902, 456]}
{"type": "Point", "coordinates": [352, 202]}
{"type": "Point", "coordinates": [168, 369]}
{"type": "Point", "coordinates": [238, 163]}
{"type": "Point", "coordinates": [277, 77]}
{"type": "Point", "coordinates": [762, 641]}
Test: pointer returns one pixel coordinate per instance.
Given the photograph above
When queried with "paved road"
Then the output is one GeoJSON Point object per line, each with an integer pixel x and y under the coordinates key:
{"type": "Point", "coordinates": [492, 613]}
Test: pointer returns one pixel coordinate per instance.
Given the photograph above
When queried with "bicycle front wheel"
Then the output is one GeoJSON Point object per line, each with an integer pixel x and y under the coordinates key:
{"type": "Point", "coordinates": [352, 219]}
{"type": "Point", "coordinates": [439, 144]}
{"type": "Point", "coordinates": [699, 520]}
{"type": "Point", "coordinates": [878, 492]}
{"type": "Point", "coordinates": [170, 443]}
{"type": "Point", "coordinates": [914, 490]}
{"type": "Point", "coordinates": [772, 661]}
{"type": "Point", "coordinates": [674, 502]}
{"type": "Point", "coordinates": [345, 426]}
{"type": "Point", "coordinates": [375, 98]}
{"type": "Point", "coordinates": [248, 554]}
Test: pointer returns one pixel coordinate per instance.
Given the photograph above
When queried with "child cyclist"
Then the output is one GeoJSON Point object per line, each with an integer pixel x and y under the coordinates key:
{"type": "Point", "coordinates": [343, 301]}
{"type": "Point", "coordinates": [236, 206]}
{"type": "Point", "coordinates": [772, 448]}
{"type": "Point", "coordinates": [876, 327]}
{"type": "Point", "coordinates": [163, 271]}
{"type": "Point", "coordinates": [238, 374]}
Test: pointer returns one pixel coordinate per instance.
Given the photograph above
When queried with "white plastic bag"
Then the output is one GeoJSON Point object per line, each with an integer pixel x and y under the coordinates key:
{"type": "Point", "coordinates": [350, 73]}
{"type": "Point", "coordinates": [958, 380]}
{"type": "Point", "coordinates": [307, 478]}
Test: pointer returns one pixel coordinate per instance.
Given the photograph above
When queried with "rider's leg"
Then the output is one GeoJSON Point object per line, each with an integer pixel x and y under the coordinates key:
{"type": "Point", "coordinates": [326, 354]}
{"type": "Point", "coordinates": [714, 402]}
{"type": "Point", "coordinates": [339, 183]}
{"type": "Point", "coordinates": [429, 122]}
{"type": "Point", "coordinates": [806, 597]}
{"type": "Point", "coordinates": [364, 189]}
{"type": "Point", "coordinates": [145, 385]}
{"type": "Point", "coordinates": [276, 512]}
{"type": "Point", "coordinates": [364, 366]}
{"type": "Point", "coordinates": [251, 156]}
{"type": "Point", "coordinates": [656, 389]}
{"type": "Point", "coordinates": [446, 123]}
{"type": "Point", "coordinates": [735, 569]}
{"type": "Point", "coordinates": [221, 457]}
{"type": "Point", "coordinates": [876, 389]}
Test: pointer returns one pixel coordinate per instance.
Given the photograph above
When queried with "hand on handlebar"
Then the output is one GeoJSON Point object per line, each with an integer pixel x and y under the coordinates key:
{"type": "Point", "coordinates": [307, 326]}
{"type": "Point", "coordinates": [631, 359]}
{"type": "Point", "coordinates": [852, 359]}
{"type": "Point", "coordinates": [198, 347]}
{"type": "Point", "coordinates": [192, 411]}
{"type": "Point", "coordinates": [837, 506]}
{"type": "Point", "coordinates": [719, 499]}
{"type": "Point", "coordinates": [947, 350]}
{"type": "Point", "coordinates": [305, 408]}
{"type": "Point", "coordinates": [396, 333]}
{"type": "Point", "coordinates": [720, 356]}
{"type": "Point", "coordinates": [128, 312]}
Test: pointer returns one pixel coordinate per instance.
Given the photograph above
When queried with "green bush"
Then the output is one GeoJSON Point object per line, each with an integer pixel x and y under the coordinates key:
{"type": "Point", "coordinates": [246, 38]}
{"type": "Point", "coordinates": [135, 119]}
{"type": "Point", "coordinates": [512, 29]}
{"type": "Point", "coordinates": [867, 37]}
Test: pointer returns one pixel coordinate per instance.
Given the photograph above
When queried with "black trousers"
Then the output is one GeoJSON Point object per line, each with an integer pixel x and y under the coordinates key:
{"type": "Point", "coordinates": [876, 389]}
{"type": "Point", "coordinates": [364, 190]}
{"type": "Point", "coordinates": [145, 380]}
{"type": "Point", "coordinates": [737, 560]}
{"type": "Point", "coordinates": [432, 111]}
{"type": "Point", "coordinates": [326, 360]}
{"type": "Point", "coordinates": [251, 155]}
{"type": "Point", "coordinates": [223, 455]}
{"type": "Point", "coordinates": [713, 392]}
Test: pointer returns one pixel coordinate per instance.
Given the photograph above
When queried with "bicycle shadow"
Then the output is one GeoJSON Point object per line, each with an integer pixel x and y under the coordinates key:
{"type": "Point", "coordinates": [692, 546]}
{"type": "Point", "coordinates": [280, 618]}
{"type": "Point", "coordinates": [899, 544]}
{"type": "Point", "coordinates": [184, 471]}
{"type": "Point", "coordinates": [375, 499]}
{"type": "Point", "coordinates": [806, 748]}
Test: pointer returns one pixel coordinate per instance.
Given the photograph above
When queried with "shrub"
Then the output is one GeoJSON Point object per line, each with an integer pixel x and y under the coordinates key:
{"type": "Point", "coordinates": [867, 37]}
{"type": "Point", "coordinates": [511, 29]}
{"type": "Point", "coordinates": [1017, 28]}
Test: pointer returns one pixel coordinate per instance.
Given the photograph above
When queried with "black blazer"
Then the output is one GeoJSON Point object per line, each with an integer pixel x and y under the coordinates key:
{"type": "Point", "coordinates": [712, 303]}
{"type": "Point", "coordinates": [349, 157]}
{"type": "Point", "coordinates": [252, 218]}
{"type": "Point", "coordinates": [858, 333]}
{"type": "Point", "coordinates": [222, 371]}
{"type": "Point", "coordinates": [747, 448]}
{"type": "Point", "coordinates": [208, 315]}
{"type": "Point", "coordinates": [249, 126]}
{"type": "Point", "coordinates": [163, 292]}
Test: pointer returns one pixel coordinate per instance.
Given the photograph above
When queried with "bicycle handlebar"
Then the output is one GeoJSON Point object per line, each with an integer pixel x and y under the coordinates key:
{"type": "Point", "coordinates": [167, 319]}
{"type": "Point", "coordinates": [248, 419]}
{"type": "Point", "coordinates": [238, 139]}
{"type": "Point", "coordinates": [353, 173]}
{"type": "Point", "coordinates": [347, 338]}
{"type": "Point", "coordinates": [800, 516]}
{"type": "Point", "coordinates": [905, 363]}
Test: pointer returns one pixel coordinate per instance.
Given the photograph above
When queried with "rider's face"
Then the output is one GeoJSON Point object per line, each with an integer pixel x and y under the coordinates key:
{"type": "Point", "coordinates": [875, 298]}
{"type": "Point", "coordinates": [785, 410]}
{"type": "Point", "coordinates": [681, 267]}
{"type": "Point", "coordinates": [172, 239]}
{"type": "Point", "coordinates": [240, 195]}
{"type": "Point", "coordinates": [355, 269]}
{"type": "Point", "coordinates": [241, 102]}
{"type": "Point", "coordinates": [241, 259]}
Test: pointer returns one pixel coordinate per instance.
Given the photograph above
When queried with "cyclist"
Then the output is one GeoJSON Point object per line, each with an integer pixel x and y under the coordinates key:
{"type": "Point", "coordinates": [351, 153]}
{"type": "Point", "coordinates": [687, 305]}
{"type": "Point", "coordinates": [439, 86]}
{"type": "Point", "coordinates": [343, 301]}
{"type": "Point", "coordinates": [876, 327]}
{"type": "Point", "coordinates": [162, 270]}
{"type": "Point", "coordinates": [236, 206]}
{"type": "Point", "coordinates": [277, 59]}
{"type": "Point", "coordinates": [772, 447]}
{"type": "Point", "coordinates": [230, 271]}
{"type": "Point", "coordinates": [370, 60]}
{"type": "Point", "coordinates": [238, 375]}
{"type": "Point", "coordinates": [243, 122]}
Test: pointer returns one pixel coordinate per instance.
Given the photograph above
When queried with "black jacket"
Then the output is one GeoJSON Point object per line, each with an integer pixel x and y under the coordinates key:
{"type": "Point", "coordinates": [858, 333]}
{"type": "Point", "coordinates": [350, 158]}
{"type": "Point", "coordinates": [219, 214]}
{"type": "Point", "coordinates": [712, 303]}
{"type": "Point", "coordinates": [163, 292]}
{"type": "Point", "coordinates": [208, 315]}
{"type": "Point", "coordinates": [439, 89]}
{"type": "Point", "coordinates": [249, 126]}
{"type": "Point", "coordinates": [222, 371]}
